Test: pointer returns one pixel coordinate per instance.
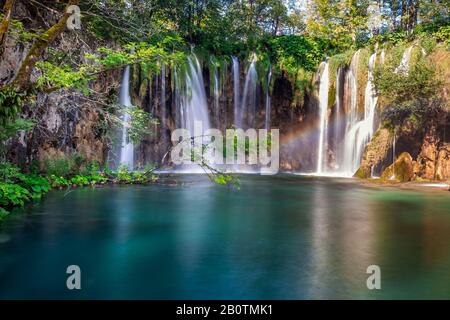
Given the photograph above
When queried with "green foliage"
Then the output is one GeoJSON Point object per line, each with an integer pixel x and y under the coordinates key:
{"type": "Point", "coordinates": [419, 82]}
{"type": "Point", "coordinates": [140, 124]}
{"type": "Point", "coordinates": [12, 195]}
{"type": "Point", "coordinates": [36, 185]}
{"type": "Point", "coordinates": [62, 166]}
{"type": "Point", "coordinates": [227, 180]}
{"type": "Point", "coordinates": [294, 52]}
{"type": "Point", "coordinates": [443, 34]}
{"type": "Point", "coordinates": [58, 182]}
{"type": "Point", "coordinates": [3, 214]}
{"type": "Point", "coordinates": [11, 103]}
{"type": "Point", "coordinates": [18, 188]}
{"type": "Point", "coordinates": [8, 171]}
{"type": "Point", "coordinates": [409, 95]}
{"type": "Point", "coordinates": [53, 76]}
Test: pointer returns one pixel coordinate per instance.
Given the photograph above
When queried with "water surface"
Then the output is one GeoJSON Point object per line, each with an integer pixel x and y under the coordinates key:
{"type": "Point", "coordinates": [284, 237]}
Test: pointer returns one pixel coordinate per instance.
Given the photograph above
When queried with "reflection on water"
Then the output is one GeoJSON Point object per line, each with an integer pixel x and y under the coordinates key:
{"type": "Point", "coordinates": [282, 237]}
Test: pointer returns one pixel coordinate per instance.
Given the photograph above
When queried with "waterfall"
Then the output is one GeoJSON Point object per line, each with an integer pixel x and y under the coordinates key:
{"type": "Point", "coordinates": [194, 103]}
{"type": "Point", "coordinates": [360, 132]}
{"type": "Point", "coordinates": [236, 92]}
{"type": "Point", "coordinates": [268, 102]}
{"type": "Point", "coordinates": [323, 106]}
{"type": "Point", "coordinates": [351, 88]}
{"type": "Point", "coordinates": [216, 96]}
{"type": "Point", "coordinates": [163, 95]}
{"type": "Point", "coordinates": [393, 156]}
{"type": "Point", "coordinates": [248, 105]}
{"type": "Point", "coordinates": [404, 63]}
{"type": "Point", "coordinates": [127, 148]}
{"type": "Point", "coordinates": [338, 119]}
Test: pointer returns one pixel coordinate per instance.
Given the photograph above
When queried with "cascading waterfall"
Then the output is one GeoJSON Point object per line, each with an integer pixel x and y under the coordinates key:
{"type": "Point", "coordinates": [127, 148]}
{"type": "Point", "coordinates": [362, 131]}
{"type": "Point", "coordinates": [404, 63]}
{"type": "Point", "coordinates": [195, 104]}
{"type": "Point", "coordinates": [268, 102]}
{"type": "Point", "coordinates": [236, 92]}
{"type": "Point", "coordinates": [323, 107]}
{"type": "Point", "coordinates": [248, 105]}
{"type": "Point", "coordinates": [351, 87]}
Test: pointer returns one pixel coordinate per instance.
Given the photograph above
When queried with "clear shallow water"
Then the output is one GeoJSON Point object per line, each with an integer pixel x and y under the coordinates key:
{"type": "Point", "coordinates": [284, 237]}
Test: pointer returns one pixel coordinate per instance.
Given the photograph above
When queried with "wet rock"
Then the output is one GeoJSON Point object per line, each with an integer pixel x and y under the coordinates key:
{"type": "Point", "coordinates": [402, 170]}
{"type": "Point", "coordinates": [376, 154]}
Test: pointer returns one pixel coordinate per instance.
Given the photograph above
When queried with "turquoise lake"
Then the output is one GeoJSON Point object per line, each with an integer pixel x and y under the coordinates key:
{"type": "Point", "coordinates": [282, 237]}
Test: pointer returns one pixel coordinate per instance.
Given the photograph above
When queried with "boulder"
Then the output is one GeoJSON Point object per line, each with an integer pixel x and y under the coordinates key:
{"type": "Point", "coordinates": [402, 170]}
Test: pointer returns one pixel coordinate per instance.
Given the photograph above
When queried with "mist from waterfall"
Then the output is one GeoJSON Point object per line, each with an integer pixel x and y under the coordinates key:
{"type": "Point", "coordinates": [127, 147]}
{"type": "Point", "coordinates": [323, 107]}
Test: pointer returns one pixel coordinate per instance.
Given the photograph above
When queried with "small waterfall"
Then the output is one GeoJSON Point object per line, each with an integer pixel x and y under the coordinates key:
{"type": "Point", "coordinates": [127, 148]}
{"type": "Point", "coordinates": [163, 95]}
{"type": "Point", "coordinates": [338, 119]}
{"type": "Point", "coordinates": [179, 116]}
{"type": "Point", "coordinates": [194, 102]}
{"type": "Point", "coordinates": [404, 64]}
{"type": "Point", "coordinates": [323, 106]}
{"type": "Point", "coordinates": [248, 106]}
{"type": "Point", "coordinates": [393, 156]}
{"type": "Point", "coordinates": [236, 92]}
{"type": "Point", "coordinates": [216, 96]}
{"type": "Point", "coordinates": [268, 102]}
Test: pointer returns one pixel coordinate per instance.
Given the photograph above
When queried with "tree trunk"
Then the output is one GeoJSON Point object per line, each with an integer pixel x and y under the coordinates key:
{"type": "Point", "coordinates": [4, 26]}
{"type": "Point", "coordinates": [21, 82]}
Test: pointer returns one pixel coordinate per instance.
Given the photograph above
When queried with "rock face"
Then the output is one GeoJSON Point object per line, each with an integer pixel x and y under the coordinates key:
{"type": "Point", "coordinates": [377, 154]}
{"type": "Point", "coordinates": [428, 155]}
{"type": "Point", "coordinates": [443, 163]}
{"type": "Point", "coordinates": [402, 170]}
{"type": "Point", "coordinates": [67, 122]}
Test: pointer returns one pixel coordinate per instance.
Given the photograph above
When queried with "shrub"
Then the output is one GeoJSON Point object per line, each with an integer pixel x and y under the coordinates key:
{"type": "Point", "coordinates": [12, 195]}
{"type": "Point", "coordinates": [3, 214]}
{"type": "Point", "coordinates": [8, 172]}
{"type": "Point", "coordinates": [36, 185]}
{"type": "Point", "coordinates": [60, 166]}
{"type": "Point", "coordinates": [58, 182]}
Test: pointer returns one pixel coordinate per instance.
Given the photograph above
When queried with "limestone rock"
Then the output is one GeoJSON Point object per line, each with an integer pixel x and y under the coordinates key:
{"type": "Point", "coordinates": [443, 163]}
{"type": "Point", "coordinates": [377, 151]}
{"type": "Point", "coordinates": [402, 170]}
